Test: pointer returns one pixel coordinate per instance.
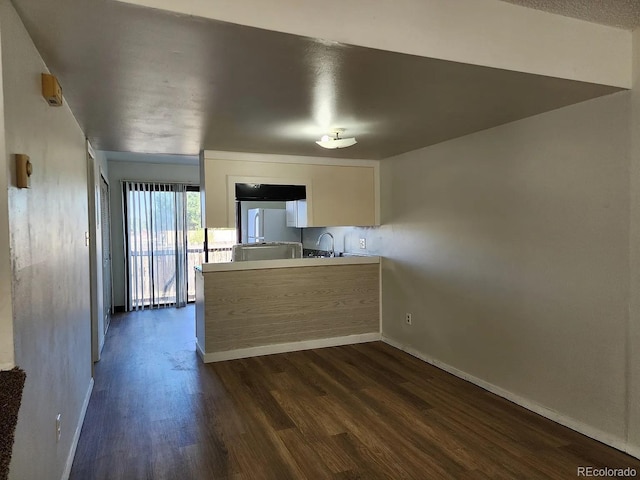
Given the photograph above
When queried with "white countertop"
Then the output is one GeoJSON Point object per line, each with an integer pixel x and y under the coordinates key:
{"type": "Point", "coordinates": [287, 263]}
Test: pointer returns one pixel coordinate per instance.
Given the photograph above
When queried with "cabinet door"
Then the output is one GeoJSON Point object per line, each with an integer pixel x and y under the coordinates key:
{"type": "Point", "coordinates": [301, 213]}
{"type": "Point", "coordinates": [297, 213]}
{"type": "Point", "coordinates": [336, 194]}
{"type": "Point", "coordinates": [292, 214]}
{"type": "Point", "coordinates": [344, 196]}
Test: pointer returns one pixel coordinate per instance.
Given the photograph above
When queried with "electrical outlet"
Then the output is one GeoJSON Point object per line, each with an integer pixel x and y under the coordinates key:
{"type": "Point", "coordinates": [407, 318]}
{"type": "Point", "coordinates": [363, 243]}
{"type": "Point", "coordinates": [58, 426]}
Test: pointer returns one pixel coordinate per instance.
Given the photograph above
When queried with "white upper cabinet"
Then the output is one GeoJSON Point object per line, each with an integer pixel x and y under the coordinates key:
{"type": "Point", "coordinates": [297, 213]}
{"type": "Point", "coordinates": [339, 192]}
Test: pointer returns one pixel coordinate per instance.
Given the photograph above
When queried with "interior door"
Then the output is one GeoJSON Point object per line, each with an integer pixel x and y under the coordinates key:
{"type": "Point", "coordinates": [106, 251]}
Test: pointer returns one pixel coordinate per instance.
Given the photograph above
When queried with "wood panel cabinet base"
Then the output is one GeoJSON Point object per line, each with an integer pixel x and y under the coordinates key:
{"type": "Point", "coordinates": [250, 312]}
{"type": "Point", "coordinates": [286, 347]}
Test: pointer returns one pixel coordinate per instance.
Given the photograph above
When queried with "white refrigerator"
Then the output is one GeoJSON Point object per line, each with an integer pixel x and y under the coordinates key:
{"type": "Point", "coordinates": [269, 225]}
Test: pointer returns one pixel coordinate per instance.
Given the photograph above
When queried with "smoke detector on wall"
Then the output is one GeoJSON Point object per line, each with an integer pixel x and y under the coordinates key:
{"type": "Point", "coordinates": [51, 90]}
{"type": "Point", "coordinates": [334, 141]}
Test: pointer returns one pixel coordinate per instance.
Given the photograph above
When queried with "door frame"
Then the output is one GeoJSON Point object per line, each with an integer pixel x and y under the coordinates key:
{"type": "Point", "coordinates": [95, 254]}
{"type": "Point", "coordinates": [104, 178]}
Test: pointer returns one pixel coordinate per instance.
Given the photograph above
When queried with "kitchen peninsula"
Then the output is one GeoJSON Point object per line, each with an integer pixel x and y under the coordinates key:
{"type": "Point", "coordinates": [260, 307]}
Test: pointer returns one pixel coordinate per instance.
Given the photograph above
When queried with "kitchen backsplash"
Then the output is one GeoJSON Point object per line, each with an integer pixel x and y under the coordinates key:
{"type": "Point", "coordinates": [347, 239]}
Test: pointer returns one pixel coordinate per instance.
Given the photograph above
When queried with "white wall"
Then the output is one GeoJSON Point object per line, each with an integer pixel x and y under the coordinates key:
{"type": "Point", "coordinates": [510, 249]}
{"type": "Point", "coordinates": [6, 310]}
{"type": "Point", "coordinates": [120, 171]}
{"type": "Point", "coordinates": [346, 239]}
{"type": "Point", "coordinates": [478, 32]}
{"type": "Point", "coordinates": [633, 342]}
{"type": "Point", "coordinates": [50, 261]}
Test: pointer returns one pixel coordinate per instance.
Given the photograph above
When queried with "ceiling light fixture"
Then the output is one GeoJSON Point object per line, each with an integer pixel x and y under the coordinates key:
{"type": "Point", "coordinates": [336, 142]}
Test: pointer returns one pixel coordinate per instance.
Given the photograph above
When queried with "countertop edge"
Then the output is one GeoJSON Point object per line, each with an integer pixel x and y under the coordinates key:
{"type": "Point", "coordinates": [287, 263]}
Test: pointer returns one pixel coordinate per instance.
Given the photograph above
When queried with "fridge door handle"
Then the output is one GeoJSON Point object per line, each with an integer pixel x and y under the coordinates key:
{"type": "Point", "coordinates": [256, 225]}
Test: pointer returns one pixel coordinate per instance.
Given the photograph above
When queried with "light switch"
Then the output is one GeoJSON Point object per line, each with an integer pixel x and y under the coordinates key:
{"type": "Point", "coordinates": [363, 243]}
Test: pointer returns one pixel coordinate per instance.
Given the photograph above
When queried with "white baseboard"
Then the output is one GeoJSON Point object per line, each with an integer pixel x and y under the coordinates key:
{"type": "Point", "coordinates": [200, 351]}
{"type": "Point", "coordinates": [580, 427]}
{"type": "Point", "coordinates": [286, 347]}
{"type": "Point", "coordinates": [76, 434]}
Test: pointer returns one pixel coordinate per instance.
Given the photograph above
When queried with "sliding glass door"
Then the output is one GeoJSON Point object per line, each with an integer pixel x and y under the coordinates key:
{"type": "Point", "coordinates": [160, 243]}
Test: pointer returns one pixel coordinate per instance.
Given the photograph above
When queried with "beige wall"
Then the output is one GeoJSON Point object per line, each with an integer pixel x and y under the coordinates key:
{"type": "Point", "coordinates": [510, 249]}
{"type": "Point", "coordinates": [149, 172]}
{"type": "Point", "coordinates": [6, 311]}
{"type": "Point", "coordinates": [634, 320]}
{"type": "Point", "coordinates": [49, 259]}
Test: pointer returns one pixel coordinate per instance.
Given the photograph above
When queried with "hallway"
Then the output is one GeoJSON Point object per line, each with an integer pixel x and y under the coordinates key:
{"type": "Point", "coordinates": [142, 408]}
{"type": "Point", "coordinates": [364, 411]}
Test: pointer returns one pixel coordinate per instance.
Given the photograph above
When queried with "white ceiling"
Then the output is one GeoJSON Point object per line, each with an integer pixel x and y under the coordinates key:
{"type": "Point", "coordinates": [615, 13]}
{"type": "Point", "coordinates": [143, 80]}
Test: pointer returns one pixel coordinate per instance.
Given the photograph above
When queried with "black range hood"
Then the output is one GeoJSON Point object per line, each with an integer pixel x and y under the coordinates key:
{"type": "Point", "coordinates": [269, 192]}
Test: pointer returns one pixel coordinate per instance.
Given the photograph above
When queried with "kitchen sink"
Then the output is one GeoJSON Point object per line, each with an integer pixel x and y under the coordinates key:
{"type": "Point", "coordinates": [321, 254]}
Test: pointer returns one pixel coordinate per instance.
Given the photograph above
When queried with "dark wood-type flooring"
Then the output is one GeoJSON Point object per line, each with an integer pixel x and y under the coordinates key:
{"type": "Point", "coordinates": [366, 411]}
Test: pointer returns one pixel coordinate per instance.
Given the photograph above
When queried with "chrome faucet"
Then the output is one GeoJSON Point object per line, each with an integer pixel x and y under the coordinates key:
{"type": "Point", "coordinates": [332, 252]}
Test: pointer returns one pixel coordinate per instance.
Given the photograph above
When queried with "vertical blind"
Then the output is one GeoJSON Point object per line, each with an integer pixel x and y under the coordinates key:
{"type": "Point", "coordinates": [155, 243]}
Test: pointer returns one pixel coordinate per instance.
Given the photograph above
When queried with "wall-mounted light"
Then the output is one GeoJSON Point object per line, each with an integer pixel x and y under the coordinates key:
{"type": "Point", "coordinates": [335, 141]}
{"type": "Point", "coordinates": [51, 90]}
{"type": "Point", "coordinates": [23, 170]}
